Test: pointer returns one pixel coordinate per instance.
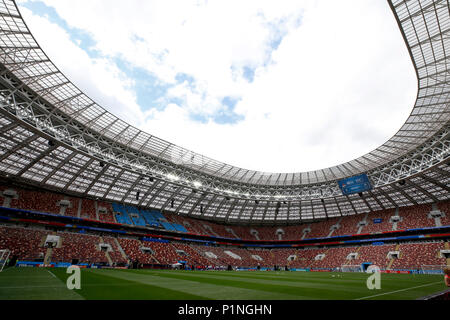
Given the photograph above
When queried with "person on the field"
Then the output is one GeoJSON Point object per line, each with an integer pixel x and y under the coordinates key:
{"type": "Point", "coordinates": [447, 277]}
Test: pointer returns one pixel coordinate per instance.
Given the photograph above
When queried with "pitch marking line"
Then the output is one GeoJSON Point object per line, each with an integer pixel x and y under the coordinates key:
{"type": "Point", "coordinates": [383, 294]}
{"type": "Point", "coordinates": [52, 274]}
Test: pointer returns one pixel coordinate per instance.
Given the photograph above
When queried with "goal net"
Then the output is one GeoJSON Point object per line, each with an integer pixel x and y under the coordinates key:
{"type": "Point", "coordinates": [351, 268]}
{"type": "Point", "coordinates": [4, 256]}
{"type": "Point", "coordinates": [433, 269]}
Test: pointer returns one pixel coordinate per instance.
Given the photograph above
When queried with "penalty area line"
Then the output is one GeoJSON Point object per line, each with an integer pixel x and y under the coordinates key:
{"type": "Point", "coordinates": [391, 292]}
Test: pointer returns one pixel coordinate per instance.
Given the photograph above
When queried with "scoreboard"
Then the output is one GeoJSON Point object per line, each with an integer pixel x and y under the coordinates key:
{"type": "Point", "coordinates": [355, 184]}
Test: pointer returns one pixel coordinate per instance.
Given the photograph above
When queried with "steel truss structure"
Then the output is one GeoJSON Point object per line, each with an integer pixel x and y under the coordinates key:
{"type": "Point", "coordinates": [53, 136]}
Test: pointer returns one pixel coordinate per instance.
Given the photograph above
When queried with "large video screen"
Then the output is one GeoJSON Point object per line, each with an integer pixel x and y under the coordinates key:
{"type": "Point", "coordinates": [355, 184]}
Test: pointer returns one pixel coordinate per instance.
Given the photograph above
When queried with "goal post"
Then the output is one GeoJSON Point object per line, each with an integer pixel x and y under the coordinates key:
{"type": "Point", "coordinates": [433, 269]}
{"type": "Point", "coordinates": [351, 268]}
{"type": "Point", "coordinates": [4, 256]}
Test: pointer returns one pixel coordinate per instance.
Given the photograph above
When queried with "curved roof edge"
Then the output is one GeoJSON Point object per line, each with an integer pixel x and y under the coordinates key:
{"type": "Point", "coordinates": [424, 37]}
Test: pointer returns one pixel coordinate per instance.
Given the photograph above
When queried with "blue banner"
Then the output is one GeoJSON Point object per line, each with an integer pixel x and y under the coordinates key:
{"type": "Point", "coordinates": [355, 184]}
{"type": "Point", "coordinates": [155, 240]}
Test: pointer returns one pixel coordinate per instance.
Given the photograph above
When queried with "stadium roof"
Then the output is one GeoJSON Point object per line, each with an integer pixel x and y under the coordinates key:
{"type": "Point", "coordinates": [95, 154]}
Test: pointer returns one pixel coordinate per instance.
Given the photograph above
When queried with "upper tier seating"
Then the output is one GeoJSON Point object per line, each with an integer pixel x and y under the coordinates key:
{"type": "Point", "coordinates": [293, 232]}
{"type": "Point", "coordinates": [193, 224]}
{"type": "Point", "coordinates": [445, 207]}
{"type": "Point", "coordinates": [107, 216]}
{"type": "Point", "coordinates": [415, 217]}
{"type": "Point", "coordinates": [383, 226]}
{"type": "Point", "coordinates": [121, 214]}
{"type": "Point", "coordinates": [72, 210]}
{"type": "Point", "coordinates": [13, 203]}
{"type": "Point", "coordinates": [322, 229]}
{"type": "Point", "coordinates": [48, 202]}
{"type": "Point", "coordinates": [349, 225]}
{"type": "Point", "coordinates": [39, 201]}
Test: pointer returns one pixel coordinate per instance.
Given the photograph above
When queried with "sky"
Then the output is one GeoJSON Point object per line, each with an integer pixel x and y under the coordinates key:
{"type": "Point", "coordinates": [273, 86]}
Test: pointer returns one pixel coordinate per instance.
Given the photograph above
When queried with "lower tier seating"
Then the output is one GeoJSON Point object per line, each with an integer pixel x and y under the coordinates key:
{"type": "Point", "coordinates": [28, 244]}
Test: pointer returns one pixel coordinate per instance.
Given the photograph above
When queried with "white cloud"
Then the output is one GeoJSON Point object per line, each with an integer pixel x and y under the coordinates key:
{"type": "Point", "coordinates": [339, 85]}
{"type": "Point", "coordinates": [99, 78]}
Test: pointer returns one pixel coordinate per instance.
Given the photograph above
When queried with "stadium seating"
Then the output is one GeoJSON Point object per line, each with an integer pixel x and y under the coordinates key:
{"type": "Point", "coordinates": [223, 258]}
{"type": "Point", "coordinates": [379, 221]}
{"type": "Point", "coordinates": [3, 188]}
{"type": "Point", "coordinates": [321, 229]}
{"type": "Point", "coordinates": [445, 207]}
{"type": "Point", "coordinates": [132, 248]}
{"type": "Point", "coordinates": [292, 232]}
{"type": "Point", "coordinates": [305, 257]}
{"type": "Point", "coordinates": [121, 214]}
{"type": "Point", "coordinates": [39, 201]}
{"type": "Point", "coordinates": [26, 244]}
{"type": "Point", "coordinates": [193, 256]}
{"type": "Point", "coordinates": [72, 211]}
{"type": "Point", "coordinates": [415, 217]}
{"type": "Point", "coordinates": [246, 256]}
{"type": "Point", "coordinates": [214, 229]}
{"type": "Point", "coordinates": [194, 225]}
{"type": "Point", "coordinates": [88, 209]}
{"type": "Point", "coordinates": [164, 253]}
{"type": "Point", "coordinates": [83, 247]}
{"type": "Point", "coordinates": [115, 254]}
{"type": "Point", "coordinates": [377, 255]}
{"type": "Point", "coordinates": [334, 257]}
{"type": "Point", "coordinates": [150, 218]}
{"type": "Point", "coordinates": [107, 216]}
{"type": "Point", "coordinates": [48, 202]}
{"type": "Point", "coordinates": [267, 233]}
{"type": "Point", "coordinates": [268, 258]}
{"type": "Point", "coordinates": [244, 233]}
{"type": "Point", "coordinates": [280, 257]}
{"type": "Point", "coordinates": [415, 255]}
{"type": "Point", "coordinates": [201, 250]}
{"type": "Point", "coordinates": [349, 225]}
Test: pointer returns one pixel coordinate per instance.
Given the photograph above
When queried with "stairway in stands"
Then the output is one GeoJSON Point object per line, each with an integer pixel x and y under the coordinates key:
{"type": "Point", "coordinates": [397, 248]}
{"type": "Point", "coordinates": [350, 261]}
{"type": "Point", "coordinates": [108, 257]}
{"type": "Point", "coordinates": [122, 252]}
{"type": "Point", "coordinates": [230, 230]}
{"type": "Point", "coordinates": [360, 229]}
{"type": "Point", "coordinates": [211, 260]}
{"type": "Point", "coordinates": [48, 256]}
{"type": "Point", "coordinates": [447, 247]}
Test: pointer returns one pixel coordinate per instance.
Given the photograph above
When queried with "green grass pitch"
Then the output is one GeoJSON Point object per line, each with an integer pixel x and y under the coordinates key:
{"type": "Point", "coordinates": [104, 284]}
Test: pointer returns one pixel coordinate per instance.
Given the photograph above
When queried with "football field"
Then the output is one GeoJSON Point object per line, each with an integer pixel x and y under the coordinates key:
{"type": "Point", "coordinates": [106, 284]}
